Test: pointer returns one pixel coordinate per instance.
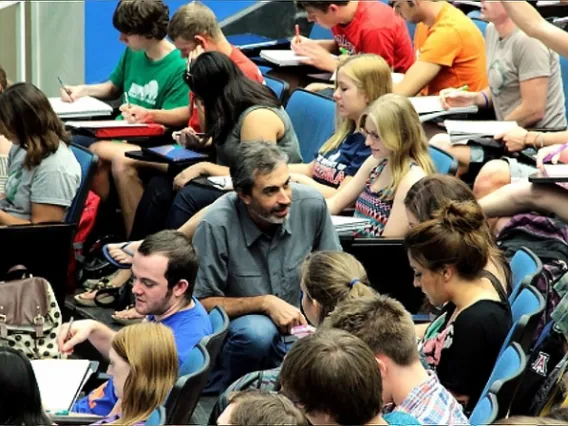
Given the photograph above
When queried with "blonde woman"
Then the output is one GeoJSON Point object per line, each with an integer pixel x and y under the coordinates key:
{"type": "Point", "coordinates": [360, 80]}
{"type": "Point", "coordinates": [144, 367]}
{"type": "Point", "coordinates": [330, 277]}
{"type": "Point", "coordinates": [399, 159]}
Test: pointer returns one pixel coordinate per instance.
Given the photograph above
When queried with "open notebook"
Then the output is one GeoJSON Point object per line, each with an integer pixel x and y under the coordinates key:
{"type": "Point", "coordinates": [430, 107]}
{"type": "Point", "coordinates": [61, 380]}
{"type": "Point", "coordinates": [461, 131]}
{"type": "Point", "coordinates": [102, 124]}
{"type": "Point", "coordinates": [81, 108]}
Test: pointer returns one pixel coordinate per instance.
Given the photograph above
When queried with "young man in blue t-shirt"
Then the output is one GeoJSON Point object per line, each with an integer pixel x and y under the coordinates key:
{"type": "Point", "coordinates": [164, 270]}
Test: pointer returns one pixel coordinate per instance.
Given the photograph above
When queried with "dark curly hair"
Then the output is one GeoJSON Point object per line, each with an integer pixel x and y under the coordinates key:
{"type": "Point", "coordinates": [147, 18]}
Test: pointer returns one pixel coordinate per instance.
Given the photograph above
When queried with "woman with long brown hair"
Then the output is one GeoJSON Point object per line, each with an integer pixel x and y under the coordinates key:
{"type": "Point", "coordinates": [43, 173]}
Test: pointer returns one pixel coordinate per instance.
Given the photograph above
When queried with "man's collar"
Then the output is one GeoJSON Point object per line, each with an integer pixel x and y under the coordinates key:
{"type": "Point", "coordinates": [250, 230]}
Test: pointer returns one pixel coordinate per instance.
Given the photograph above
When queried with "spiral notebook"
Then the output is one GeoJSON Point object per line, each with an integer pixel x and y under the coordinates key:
{"type": "Point", "coordinates": [81, 108]}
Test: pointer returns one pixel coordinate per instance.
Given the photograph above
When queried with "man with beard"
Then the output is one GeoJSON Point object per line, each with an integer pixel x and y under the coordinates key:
{"type": "Point", "coordinates": [164, 270]}
{"type": "Point", "coordinates": [251, 244]}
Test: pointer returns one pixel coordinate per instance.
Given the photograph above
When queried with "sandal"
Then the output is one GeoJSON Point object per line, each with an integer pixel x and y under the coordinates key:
{"type": "Point", "coordinates": [101, 285]}
{"type": "Point", "coordinates": [127, 321]}
{"type": "Point", "coordinates": [113, 262]}
{"type": "Point", "coordinates": [117, 298]}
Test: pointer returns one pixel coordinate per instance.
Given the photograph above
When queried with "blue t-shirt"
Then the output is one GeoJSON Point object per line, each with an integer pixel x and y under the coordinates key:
{"type": "Point", "coordinates": [188, 326]}
{"type": "Point", "coordinates": [400, 419]}
{"type": "Point", "coordinates": [333, 166]}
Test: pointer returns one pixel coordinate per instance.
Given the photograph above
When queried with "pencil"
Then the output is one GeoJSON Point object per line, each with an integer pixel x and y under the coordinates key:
{"type": "Point", "coordinates": [127, 99]}
{"type": "Point", "coordinates": [297, 33]}
{"type": "Point", "coordinates": [63, 86]}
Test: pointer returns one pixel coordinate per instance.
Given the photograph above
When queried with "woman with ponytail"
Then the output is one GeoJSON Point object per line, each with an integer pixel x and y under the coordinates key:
{"type": "Point", "coordinates": [328, 278]}
{"type": "Point", "coordinates": [448, 254]}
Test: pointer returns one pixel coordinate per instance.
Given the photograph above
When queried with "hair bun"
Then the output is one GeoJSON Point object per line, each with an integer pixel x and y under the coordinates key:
{"type": "Point", "coordinates": [462, 217]}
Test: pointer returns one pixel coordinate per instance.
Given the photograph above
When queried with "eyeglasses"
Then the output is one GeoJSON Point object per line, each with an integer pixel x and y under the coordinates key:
{"type": "Point", "coordinates": [373, 135]}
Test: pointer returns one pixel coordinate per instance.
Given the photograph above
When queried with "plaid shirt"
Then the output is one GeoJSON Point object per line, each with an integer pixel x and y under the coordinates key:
{"type": "Point", "coordinates": [432, 404]}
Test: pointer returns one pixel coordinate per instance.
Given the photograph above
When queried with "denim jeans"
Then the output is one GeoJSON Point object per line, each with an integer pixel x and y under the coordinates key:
{"type": "Point", "coordinates": [253, 343]}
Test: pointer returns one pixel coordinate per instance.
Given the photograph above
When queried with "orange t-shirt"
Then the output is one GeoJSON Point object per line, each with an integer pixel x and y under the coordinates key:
{"type": "Point", "coordinates": [248, 68]}
{"type": "Point", "coordinates": [455, 43]}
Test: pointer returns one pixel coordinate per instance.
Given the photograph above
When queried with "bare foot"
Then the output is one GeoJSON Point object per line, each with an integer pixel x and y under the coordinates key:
{"type": "Point", "coordinates": [127, 314]}
{"type": "Point", "coordinates": [123, 253]}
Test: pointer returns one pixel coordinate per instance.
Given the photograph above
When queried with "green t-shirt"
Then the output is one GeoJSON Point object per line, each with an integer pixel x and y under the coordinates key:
{"type": "Point", "coordinates": [152, 84]}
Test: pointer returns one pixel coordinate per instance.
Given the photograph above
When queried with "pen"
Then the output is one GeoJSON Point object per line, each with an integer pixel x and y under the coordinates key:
{"type": "Point", "coordinates": [343, 51]}
{"type": "Point", "coordinates": [69, 329]}
{"type": "Point", "coordinates": [127, 99]}
{"type": "Point", "coordinates": [550, 156]}
{"type": "Point", "coordinates": [63, 86]}
{"type": "Point", "coordinates": [297, 33]}
{"type": "Point", "coordinates": [461, 89]}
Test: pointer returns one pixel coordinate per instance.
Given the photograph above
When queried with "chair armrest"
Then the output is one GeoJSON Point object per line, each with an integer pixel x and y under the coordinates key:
{"type": "Point", "coordinates": [76, 419]}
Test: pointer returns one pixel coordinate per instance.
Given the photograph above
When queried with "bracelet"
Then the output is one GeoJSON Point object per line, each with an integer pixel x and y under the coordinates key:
{"type": "Point", "coordinates": [486, 99]}
{"type": "Point", "coordinates": [525, 139]}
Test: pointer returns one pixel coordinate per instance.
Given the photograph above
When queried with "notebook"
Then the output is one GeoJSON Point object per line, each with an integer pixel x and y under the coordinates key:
{"type": "Point", "coordinates": [430, 107]}
{"type": "Point", "coordinates": [82, 107]}
{"type": "Point", "coordinates": [102, 124]}
{"type": "Point", "coordinates": [282, 57]}
{"type": "Point", "coordinates": [347, 224]}
{"type": "Point", "coordinates": [60, 381]}
{"type": "Point", "coordinates": [461, 131]}
{"type": "Point", "coordinates": [174, 153]}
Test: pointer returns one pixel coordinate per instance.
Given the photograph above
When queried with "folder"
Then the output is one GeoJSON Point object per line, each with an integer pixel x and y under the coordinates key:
{"type": "Point", "coordinates": [430, 107]}
{"type": "Point", "coordinates": [60, 381]}
{"type": "Point", "coordinates": [81, 108]}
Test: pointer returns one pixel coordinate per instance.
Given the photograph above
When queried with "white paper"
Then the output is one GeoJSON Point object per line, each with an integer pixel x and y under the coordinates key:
{"type": "Point", "coordinates": [484, 128]}
{"type": "Point", "coordinates": [222, 182]}
{"type": "Point", "coordinates": [426, 104]}
{"type": "Point", "coordinates": [556, 170]}
{"type": "Point", "coordinates": [59, 381]}
{"type": "Point", "coordinates": [102, 124]}
{"type": "Point", "coordinates": [82, 107]}
{"type": "Point", "coordinates": [347, 224]}
{"type": "Point", "coordinates": [282, 57]}
{"type": "Point", "coordinates": [397, 77]}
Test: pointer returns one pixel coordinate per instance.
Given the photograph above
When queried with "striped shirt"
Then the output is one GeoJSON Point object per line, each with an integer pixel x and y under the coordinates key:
{"type": "Point", "coordinates": [432, 404]}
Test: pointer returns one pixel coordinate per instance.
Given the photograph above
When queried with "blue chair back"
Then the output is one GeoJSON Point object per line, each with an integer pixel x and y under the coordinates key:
{"type": "Point", "coordinates": [313, 118]}
{"type": "Point", "coordinates": [485, 411]}
{"type": "Point", "coordinates": [445, 163]}
{"type": "Point", "coordinates": [279, 87]}
{"type": "Point", "coordinates": [157, 417]}
{"type": "Point", "coordinates": [564, 73]}
{"type": "Point", "coordinates": [525, 267]}
{"type": "Point", "coordinates": [527, 310]}
{"type": "Point", "coordinates": [220, 325]}
{"type": "Point", "coordinates": [505, 377]}
{"type": "Point", "coordinates": [88, 162]}
{"type": "Point", "coordinates": [320, 33]}
{"type": "Point", "coordinates": [481, 24]}
{"type": "Point", "coordinates": [183, 398]}
{"type": "Point", "coordinates": [475, 14]}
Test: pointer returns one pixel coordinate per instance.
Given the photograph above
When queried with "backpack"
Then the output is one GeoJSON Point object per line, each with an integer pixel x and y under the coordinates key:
{"type": "Point", "coordinates": [84, 228]}
{"type": "Point", "coordinates": [548, 239]}
{"type": "Point", "coordinates": [30, 317]}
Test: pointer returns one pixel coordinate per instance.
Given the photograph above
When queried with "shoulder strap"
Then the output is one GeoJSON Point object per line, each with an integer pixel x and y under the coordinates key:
{"type": "Point", "coordinates": [496, 285]}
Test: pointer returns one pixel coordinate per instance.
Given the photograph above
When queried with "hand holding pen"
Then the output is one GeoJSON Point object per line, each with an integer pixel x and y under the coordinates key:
{"type": "Point", "coordinates": [66, 92]}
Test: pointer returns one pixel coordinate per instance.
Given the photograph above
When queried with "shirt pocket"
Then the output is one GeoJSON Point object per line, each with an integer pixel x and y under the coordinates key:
{"type": "Point", "coordinates": [290, 291]}
{"type": "Point", "coordinates": [247, 282]}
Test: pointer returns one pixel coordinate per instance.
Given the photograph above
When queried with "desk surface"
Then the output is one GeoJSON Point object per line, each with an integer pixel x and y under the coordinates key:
{"type": "Point", "coordinates": [103, 315]}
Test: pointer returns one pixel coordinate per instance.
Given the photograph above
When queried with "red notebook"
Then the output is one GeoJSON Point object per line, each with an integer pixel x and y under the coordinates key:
{"type": "Point", "coordinates": [117, 129]}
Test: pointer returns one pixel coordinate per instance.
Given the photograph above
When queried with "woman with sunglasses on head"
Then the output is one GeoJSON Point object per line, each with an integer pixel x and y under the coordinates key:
{"type": "Point", "coordinates": [399, 159]}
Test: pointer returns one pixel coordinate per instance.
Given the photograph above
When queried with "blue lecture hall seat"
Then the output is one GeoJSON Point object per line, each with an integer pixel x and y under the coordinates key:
{"type": "Point", "coordinates": [525, 265]}
{"type": "Point", "coordinates": [445, 163]}
{"type": "Point", "coordinates": [279, 87]}
{"type": "Point", "coordinates": [485, 411]}
{"type": "Point", "coordinates": [88, 162]}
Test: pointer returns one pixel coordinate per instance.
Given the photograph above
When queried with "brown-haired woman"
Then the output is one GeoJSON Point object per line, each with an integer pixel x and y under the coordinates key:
{"type": "Point", "coordinates": [329, 278]}
{"type": "Point", "coordinates": [448, 254]}
{"type": "Point", "coordinates": [43, 173]}
{"type": "Point", "coordinates": [426, 197]}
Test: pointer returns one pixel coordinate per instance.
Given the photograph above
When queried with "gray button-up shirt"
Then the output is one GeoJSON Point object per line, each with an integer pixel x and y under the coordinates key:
{"type": "Point", "coordinates": [237, 259]}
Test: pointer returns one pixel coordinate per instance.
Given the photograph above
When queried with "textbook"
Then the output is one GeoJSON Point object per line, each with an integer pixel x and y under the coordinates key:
{"type": "Point", "coordinates": [461, 131]}
{"type": "Point", "coordinates": [61, 380]}
{"type": "Point", "coordinates": [282, 57]}
{"type": "Point", "coordinates": [346, 224]}
{"type": "Point", "coordinates": [81, 108]}
{"type": "Point", "coordinates": [430, 107]}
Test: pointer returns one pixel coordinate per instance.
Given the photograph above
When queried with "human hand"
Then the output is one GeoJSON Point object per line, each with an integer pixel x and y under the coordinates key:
{"type": "Point", "coordinates": [295, 41]}
{"type": "Point", "coordinates": [284, 315]}
{"type": "Point", "coordinates": [514, 139]}
{"type": "Point", "coordinates": [553, 153]}
{"type": "Point", "coordinates": [188, 138]}
{"type": "Point", "coordinates": [79, 333]}
{"type": "Point", "coordinates": [72, 93]}
{"type": "Point", "coordinates": [135, 114]}
{"type": "Point", "coordinates": [187, 175]}
{"type": "Point", "coordinates": [317, 56]}
{"type": "Point", "coordinates": [452, 98]}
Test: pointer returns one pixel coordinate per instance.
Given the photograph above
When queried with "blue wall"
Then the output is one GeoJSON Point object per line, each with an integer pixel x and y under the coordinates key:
{"type": "Point", "coordinates": [102, 48]}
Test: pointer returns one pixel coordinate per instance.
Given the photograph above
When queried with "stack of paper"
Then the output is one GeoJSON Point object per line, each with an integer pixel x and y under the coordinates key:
{"type": "Point", "coordinates": [462, 131]}
{"type": "Point", "coordinates": [282, 57]}
{"type": "Point", "coordinates": [102, 124]}
{"type": "Point", "coordinates": [346, 224]}
{"type": "Point", "coordinates": [60, 381]}
{"type": "Point", "coordinates": [82, 107]}
{"type": "Point", "coordinates": [430, 107]}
